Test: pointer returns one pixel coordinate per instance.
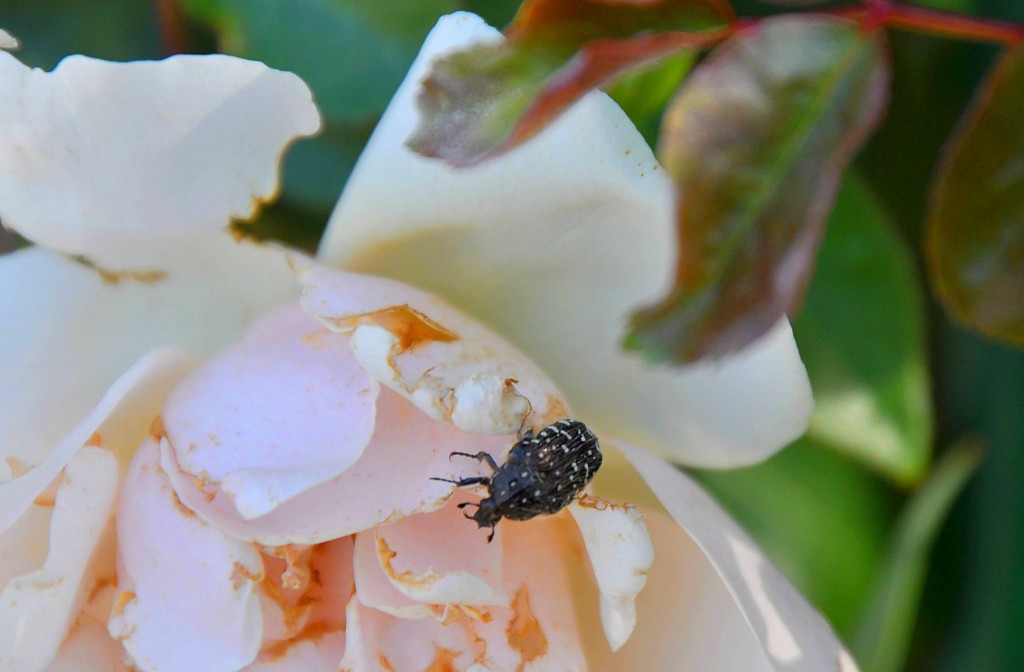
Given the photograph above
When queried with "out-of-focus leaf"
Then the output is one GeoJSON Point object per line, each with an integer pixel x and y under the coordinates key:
{"type": "Point", "coordinates": [315, 170]}
{"type": "Point", "coordinates": [487, 99]}
{"type": "Point", "coordinates": [861, 335]}
{"type": "Point", "coordinates": [756, 141]}
{"type": "Point", "coordinates": [117, 30]}
{"type": "Point", "coordinates": [976, 225]}
{"type": "Point", "coordinates": [352, 54]}
{"type": "Point", "coordinates": [883, 633]}
{"type": "Point", "coordinates": [820, 517]}
{"type": "Point", "coordinates": [643, 94]}
{"type": "Point", "coordinates": [494, 12]}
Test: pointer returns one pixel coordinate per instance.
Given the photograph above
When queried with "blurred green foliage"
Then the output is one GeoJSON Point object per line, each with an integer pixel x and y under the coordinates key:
{"type": "Point", "coordinates": [820, 508]}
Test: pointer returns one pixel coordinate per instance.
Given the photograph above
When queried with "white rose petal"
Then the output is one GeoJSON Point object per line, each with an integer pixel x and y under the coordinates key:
{"type": "Point", "coordinates": [553, 245]}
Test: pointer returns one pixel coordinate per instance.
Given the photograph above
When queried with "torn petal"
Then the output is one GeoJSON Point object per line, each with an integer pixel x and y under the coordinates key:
{"type": "Point", "coordinates": [104, 159]}
{"type": "Point", "coordinates": [293, 409]}
{"type": "Point", "coordinates": [442, 558]}
{"type": "Point", "coordinates": [186, 590]}
{"type": "Point", "coordinates": [468, 376]}
{"type": "Point", "coordinates": [621, 554]}
{"type": "Point", "coordinates": [375, 589]}
{"type": "Point", "coordinates": [36, 609]}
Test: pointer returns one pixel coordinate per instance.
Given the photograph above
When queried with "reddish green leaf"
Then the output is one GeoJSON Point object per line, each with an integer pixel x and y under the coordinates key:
{"type": "Point", "coordinates": [976, 224]}
{"type": "Point", "coordinates": [487, 99]}
{"type": "Point", "coordinates": [756, 141]}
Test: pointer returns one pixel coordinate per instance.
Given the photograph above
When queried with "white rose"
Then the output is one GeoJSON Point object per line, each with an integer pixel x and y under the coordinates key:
{"type": "Point", "coordinates": [241, 534]}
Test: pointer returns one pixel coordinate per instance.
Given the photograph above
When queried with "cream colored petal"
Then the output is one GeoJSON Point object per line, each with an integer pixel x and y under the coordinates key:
{"type": "Point", "coordinates": [123, 414]}
{"type": "Point", "coordinates": [111, 160]}
{"type": "Point", "coordinates": [620, 554]}
{"type": "Point", "coordinates": [75, 333]}
{"type": "Point", "coordinates": [553, 245]}
{"type": "Point", "coordinates": [450, 366]}
{"type": "Point", "coordinates": [687, 619]}
{"type": "Point", "coordinates": [8, 41]}
{"type": "Point", "coordinates": [789, 634]}
{"type": "Point", "coordinates": [36, 609]}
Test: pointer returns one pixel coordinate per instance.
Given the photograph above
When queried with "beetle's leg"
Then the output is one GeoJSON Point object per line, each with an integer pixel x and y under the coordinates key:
{"type": "Point", "coordinates": [464, 505]}
{"type": "Point", "coordinates": [481, 456]}
{"type": "Point", "coordinates": [475, 480]}
{"type": "Point", "coordinates": [490, 537]}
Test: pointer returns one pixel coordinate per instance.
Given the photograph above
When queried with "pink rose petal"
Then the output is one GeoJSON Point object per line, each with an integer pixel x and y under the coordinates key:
{"type": "Point", "coordinates": [319, 654]}
{"type": "Point", "coordinates": [378, 642]}
{"type": "Point", "coordinates": [89, 648]}
{"type": "Point", "coordinates": [459, 371]}
{"type": "Point", "coordinates": [538, 631]}
{"type": "Point", "coordinates": [304, 594]}
{"type": "Point", "coordinates": [282, 411]}
{"type": "Point", "coordinates": [390, 480]}
{"type": "Point", "coordinates": [375, 588]}
{"type": "Point", "coordinates": [442, 558]}
{"type": "Point", "coordinates": [186, 590]}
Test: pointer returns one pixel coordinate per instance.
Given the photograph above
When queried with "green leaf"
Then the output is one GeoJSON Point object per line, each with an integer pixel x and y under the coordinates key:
{"type": "Point", "coordinates": [862, 336]}
{"type": "Point", "coordinates": [756, 142]}
{"type": "Point", "coordinates": [487, 99]}
{"type": "Point", "coordinates": [975, 233]}
{"type": "Point", "coordinates": [350, 53]}
{"type": "Point", "coordinates": [883, 634]}
{"type": "Point", "coordinates": [820, 517]}
{"type": "Point", "coordinates": [644, 94]}
{"type": "Point", "coordinates": [116, 30]}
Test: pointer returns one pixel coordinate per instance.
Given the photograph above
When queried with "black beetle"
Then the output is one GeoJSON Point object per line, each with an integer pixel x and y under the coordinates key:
{"type": "Point", "coordinates": [542, 474]}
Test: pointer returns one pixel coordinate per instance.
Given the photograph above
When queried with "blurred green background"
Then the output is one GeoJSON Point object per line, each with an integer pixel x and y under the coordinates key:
{"type": "Point", "coordinates": [881, 514]}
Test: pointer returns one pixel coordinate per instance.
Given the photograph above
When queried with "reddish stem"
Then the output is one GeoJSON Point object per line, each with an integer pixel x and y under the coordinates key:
{"type": "Point", "coordinates": [171, 23]}
{"type": "Point", "coordinates": [934, 22]}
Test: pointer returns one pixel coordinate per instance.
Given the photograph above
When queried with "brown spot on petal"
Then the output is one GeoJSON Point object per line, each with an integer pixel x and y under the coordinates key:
{"type": "Point", "coordinates": [524, 632]}
{"type": "Point", "coordinates": [444, 661]}
{"type": "Point", "coordinates": [277, 650]}
{"type": "Point", "coordinates": [121, 602]}
{"type": "Point", "coordinates": [18, 468]}
{"type": "Point", "coordinates": [95, 441]}
{"type": "Point", "coordinates": [385, 663]}
{"type": "Point", "coordinates": [156, 428]}
{"type": "Point", "coordinates": [408, 325]}
{"type": "Point", "coordinates": [407, 578]}
{"type": "Point", "coordinates": [240, 574]}
{"type": "Point", "coordinates": [115, 277]}
{"type": "Point", "coordinates": [180, 506]}
{"type": "Point", "coordinates": [589, 501]}
{"type": "Point", "coordinates": [48, 497]}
